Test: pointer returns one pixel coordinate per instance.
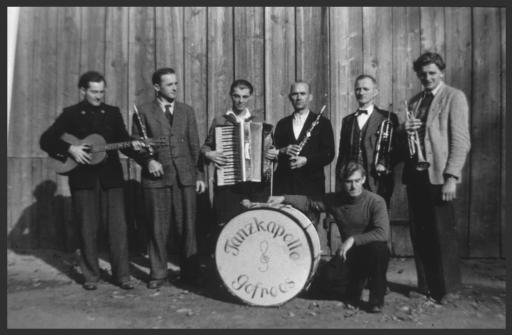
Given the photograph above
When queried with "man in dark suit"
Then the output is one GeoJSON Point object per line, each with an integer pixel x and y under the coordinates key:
{"type": "Point", "coordinates": [302, 172]}
{"type": "Point", "coordinates": [440, 124]}
{"type": "Point", "coordinates": [96, 190]}
{"type": "Point", "coordinates": [359, 136]}
{"type": "Point", "coordinates": [171, 176]}
{"type": "Point", "coordinates": [227, 199]}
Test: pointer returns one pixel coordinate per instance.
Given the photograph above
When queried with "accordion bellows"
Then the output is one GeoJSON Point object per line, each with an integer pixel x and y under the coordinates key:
{"type": "Point", "coordinates": [243, 144]}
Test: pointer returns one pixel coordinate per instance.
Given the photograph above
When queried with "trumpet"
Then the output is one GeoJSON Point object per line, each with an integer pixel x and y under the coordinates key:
{"type": "Point", "coordinates": [383, 148]}
{"type": "Point", "coordinates": [414, 144]}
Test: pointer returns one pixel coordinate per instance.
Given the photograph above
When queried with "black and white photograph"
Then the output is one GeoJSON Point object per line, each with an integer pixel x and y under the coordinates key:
{"type": "Point", "coordinates": [338, 167]}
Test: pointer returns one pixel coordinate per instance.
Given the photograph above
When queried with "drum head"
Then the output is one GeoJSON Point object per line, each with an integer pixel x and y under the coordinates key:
{"type": "Point", "coordinates": [265, 257]}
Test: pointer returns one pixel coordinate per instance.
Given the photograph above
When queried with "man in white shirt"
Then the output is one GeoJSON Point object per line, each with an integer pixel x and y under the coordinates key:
{"type": "Point", "coordinates": [302, 172]}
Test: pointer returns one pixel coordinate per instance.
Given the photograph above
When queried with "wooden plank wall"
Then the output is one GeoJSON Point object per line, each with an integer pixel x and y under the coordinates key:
{"type": "Point", "coordinates": [271, 47]}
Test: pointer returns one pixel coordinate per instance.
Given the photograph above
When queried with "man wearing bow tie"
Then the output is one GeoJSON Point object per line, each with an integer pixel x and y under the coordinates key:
{"type": "Point", "coordinates": [227, 199]}
{"type": "Point", "coordinates": [359, 137]}
{"type": "Point", "coordinates": [440, 118]}
{"type": "Point", "coordinates": [170, 177]}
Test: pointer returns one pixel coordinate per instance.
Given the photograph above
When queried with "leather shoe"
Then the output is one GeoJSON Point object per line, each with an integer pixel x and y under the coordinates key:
{"type": "Point", "coordinates": [375, 309]}
{"type": "Point", "coordinates": [90, 286]}
{"type": "Point", "coordinates": [127, 285]}
{"type": "Point", "coordinates": [155, 283]}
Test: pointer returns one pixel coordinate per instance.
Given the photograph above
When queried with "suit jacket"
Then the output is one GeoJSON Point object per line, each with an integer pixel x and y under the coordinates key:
{"type": "Point", "coordinates": [369, 142]}
{"type": "Point", "coordinates": [319, 151]}
{"type": "Point", "coordinates": [181, 158]}
{"type": "Point", "coordinates": [447, 141]}
{"type": "Point", "coordinates": [81, 120]}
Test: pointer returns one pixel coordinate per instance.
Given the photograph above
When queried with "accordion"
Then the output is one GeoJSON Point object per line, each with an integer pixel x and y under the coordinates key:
{"type": "Point", "coordinates": [244, 145]}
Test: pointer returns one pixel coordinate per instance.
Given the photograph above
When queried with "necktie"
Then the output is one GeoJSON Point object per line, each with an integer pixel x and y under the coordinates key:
{"type": "Point", "coordinates": [168, 113]}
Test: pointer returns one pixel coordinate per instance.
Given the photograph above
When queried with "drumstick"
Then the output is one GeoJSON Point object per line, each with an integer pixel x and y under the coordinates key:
{"type": "Point", "coordinates": [271, 178]}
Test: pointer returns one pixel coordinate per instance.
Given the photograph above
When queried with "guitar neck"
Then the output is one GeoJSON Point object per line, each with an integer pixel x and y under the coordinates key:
{"type": "Point", "coordinates": [112, 146]}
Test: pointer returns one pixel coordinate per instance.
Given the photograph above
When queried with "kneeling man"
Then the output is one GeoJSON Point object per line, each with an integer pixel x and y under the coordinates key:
{"type": "Point", "coordinates": [363, 222]}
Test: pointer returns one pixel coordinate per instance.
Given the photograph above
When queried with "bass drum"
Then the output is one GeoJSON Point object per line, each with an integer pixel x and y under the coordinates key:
{"type": "Point", "coordinates": [266, 256]}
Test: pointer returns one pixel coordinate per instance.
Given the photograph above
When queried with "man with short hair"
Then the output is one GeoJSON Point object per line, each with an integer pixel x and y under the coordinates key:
{"type": "Point", "coordinates": [360, 135]}
{"type": "Point", "coordinates": [96, 190]}
{"type": "Point", "coordinates": [227, 200]}
{"type": "Point", "coordinates": [440, 122]}
{"type": "Point", "coordinates": [302, 172]}
{"type": "Point", "coordinates": [363, 222]}
{"type": "Point", "coordinates": [170, 177]}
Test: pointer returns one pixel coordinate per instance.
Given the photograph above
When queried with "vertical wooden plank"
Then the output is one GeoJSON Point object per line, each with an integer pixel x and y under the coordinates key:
{"type": "Point", "coordinates": [43, 78]}
{"type": "Point", "coordinates": [485, 159]}
{"type": "Point", "coordinates": [377, 53]}
{"type": "Point", "coordinates": [458, 74]}
{"type": "Point", "coordinates": [312, 56]}
{"type": "Point", "coordinates": [406, 48]}
{"type": "Point", "coordinates": [503, 217]}
{"type": "Point", "coordinates": [21, 103]}
{"type": "Point", "coordinates": [279, 61]}
{"type": "Point", "coordinates": [141, 54]}
{"type": "Point", "coordinates": [220, 60]}
{"type": "Point", "coordinates": [116, 59]}
{"type": "Point", "coordinates": [92, 56]}
{"type": "Point", "coordinates": [196, 65]}
{"type": "Point", "coordinates": [432, 29]}
{"type": "Point", "coordinates": [249, 50]}
{"type": "Point", "coordinates": [169, 37]}
{"type": "Point", "coordinates": [346, 51]}
{"type": "Point", "coordinates": [68, 58]}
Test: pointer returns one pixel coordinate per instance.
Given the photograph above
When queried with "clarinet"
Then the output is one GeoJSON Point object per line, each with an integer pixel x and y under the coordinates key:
{"type": "Point", "coordinates": [310, 130]}
{"type": "Point", "coordinates": [151, 151]}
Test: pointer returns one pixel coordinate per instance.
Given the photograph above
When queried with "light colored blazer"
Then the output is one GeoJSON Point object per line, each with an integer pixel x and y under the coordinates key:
{"type": "Point", "coordinates": [447, 141]}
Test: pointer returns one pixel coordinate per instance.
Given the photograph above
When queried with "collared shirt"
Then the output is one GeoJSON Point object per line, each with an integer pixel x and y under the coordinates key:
{"type": "Point", "coordinates": [362, 118]}
{"type": "Point", "coordinates": [164, 103]}
{"type": "Point", "coordinates": [243, 116]}
{"type": "Point", "coordinates": [298, 122]}
{"type": "Point", "coordinates": [437, 88]}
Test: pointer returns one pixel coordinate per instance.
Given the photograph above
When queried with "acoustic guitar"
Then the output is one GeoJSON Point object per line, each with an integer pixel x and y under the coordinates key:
{"type": "Point", "coordinates": [98, 149]}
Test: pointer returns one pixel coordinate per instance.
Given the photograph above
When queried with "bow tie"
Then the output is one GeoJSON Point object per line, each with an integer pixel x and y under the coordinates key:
{"type": "Point", "coordinates": [361, 111]}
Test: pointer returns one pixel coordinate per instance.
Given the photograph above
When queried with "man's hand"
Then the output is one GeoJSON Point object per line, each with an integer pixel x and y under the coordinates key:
{"type": "Point", "coordinates": [345, 247]}
{"type": "Point", "coordinates": [200, 186]}
{"type": "Point", "coordinates": [80, 153]}
{"type": "Point", "coordinates": [271, 153]}
{"type": "Point", "coordinates": [291, 150]}
{"type": "Point", "coordinates": [155, 168]}
{"type": "Point", "coordinates": [216, 157]}
{"type": "Point", "coordinates": [138, 145]}
{"type": "Point", "coordinates": [412, 124]}
{"type": "Point", "coordinates": [449, 189]}
{"type": "Point", "coordinates": [275, 200]}
{"type": "Point", "coordinates": [297, 162]}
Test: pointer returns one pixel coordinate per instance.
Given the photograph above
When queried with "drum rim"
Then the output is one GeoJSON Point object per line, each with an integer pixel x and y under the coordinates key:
{"type": "Point", "coordinates": [310, 244]}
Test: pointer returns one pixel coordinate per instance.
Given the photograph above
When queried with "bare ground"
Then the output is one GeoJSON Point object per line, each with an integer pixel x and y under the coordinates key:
{"type": "Point", "coordinates": [43, 292]}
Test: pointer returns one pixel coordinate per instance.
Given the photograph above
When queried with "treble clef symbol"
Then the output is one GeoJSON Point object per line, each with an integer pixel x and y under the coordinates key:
{"type": "Point", "coordinates": [264, 259]}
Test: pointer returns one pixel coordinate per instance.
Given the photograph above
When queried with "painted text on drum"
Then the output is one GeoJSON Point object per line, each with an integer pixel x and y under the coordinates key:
{"type": "Point", "coordinates": [243, 284]}
{"type": "Point", "coordinates": [276, 230]}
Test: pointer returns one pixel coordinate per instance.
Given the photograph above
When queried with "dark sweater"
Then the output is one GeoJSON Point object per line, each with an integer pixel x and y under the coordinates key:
{"type": "Point", "coordinates": [365, 217]}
